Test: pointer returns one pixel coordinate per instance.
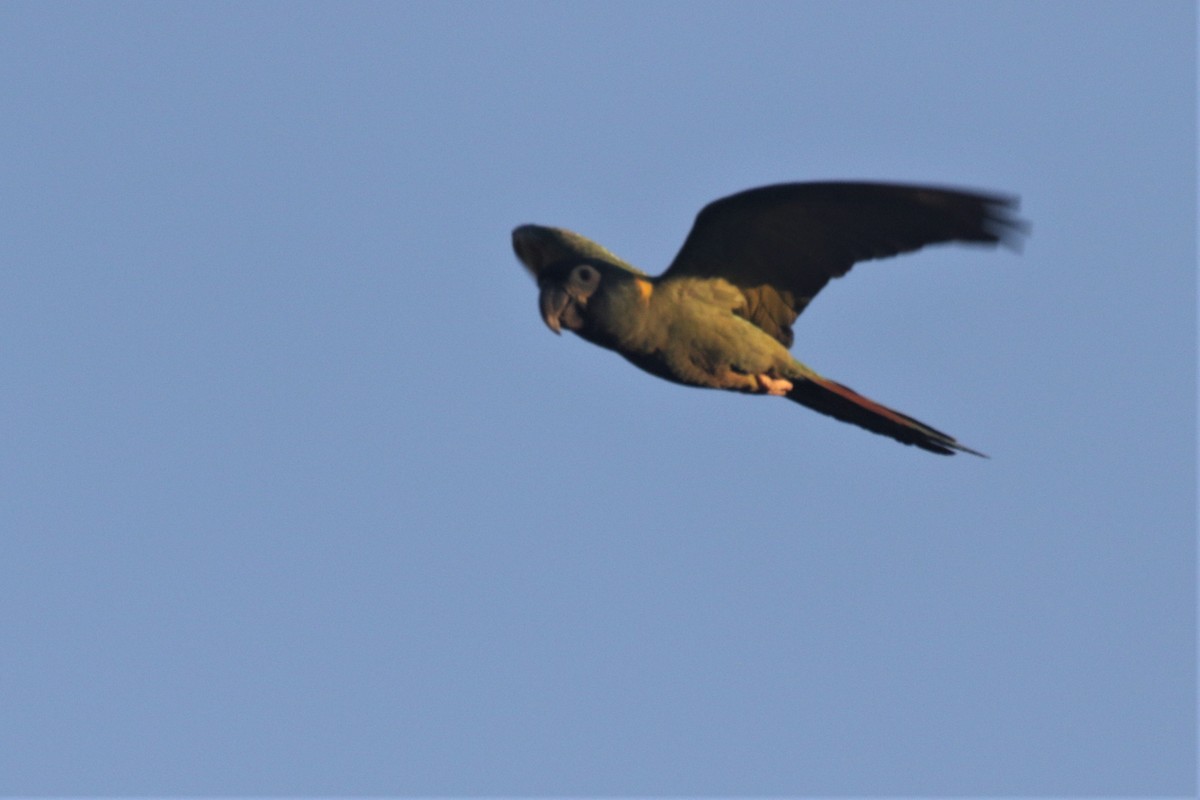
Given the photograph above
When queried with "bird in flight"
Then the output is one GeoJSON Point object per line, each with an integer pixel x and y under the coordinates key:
{"type": "Point", "coordinates": [721, 315]}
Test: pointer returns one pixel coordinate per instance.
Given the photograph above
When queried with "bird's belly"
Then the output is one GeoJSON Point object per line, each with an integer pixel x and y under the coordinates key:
{"type": "Point", "coordinates": [714, 353]}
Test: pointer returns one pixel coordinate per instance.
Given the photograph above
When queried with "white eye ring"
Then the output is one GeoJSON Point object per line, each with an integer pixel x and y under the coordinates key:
{"type": "Point", "coordinates": [585, 274]}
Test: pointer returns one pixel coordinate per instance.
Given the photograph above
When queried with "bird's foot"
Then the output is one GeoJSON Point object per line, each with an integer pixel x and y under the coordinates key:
{"type": "Point", "coordinates": [778, 387]}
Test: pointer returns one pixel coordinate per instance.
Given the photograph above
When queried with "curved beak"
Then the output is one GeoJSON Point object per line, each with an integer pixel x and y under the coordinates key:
{"type": "Point", "coordinates": [552, 302]}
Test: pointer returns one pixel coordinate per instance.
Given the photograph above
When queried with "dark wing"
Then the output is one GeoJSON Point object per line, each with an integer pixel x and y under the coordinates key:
{"type": "Point", "coordinates": [781, 244]}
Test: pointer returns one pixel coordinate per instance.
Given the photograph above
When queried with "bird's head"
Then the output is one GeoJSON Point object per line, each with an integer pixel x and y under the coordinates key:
{"type": "Point", "coordinates": [565, 291]}
{"type": "Point", "coordinates": [570, 271]}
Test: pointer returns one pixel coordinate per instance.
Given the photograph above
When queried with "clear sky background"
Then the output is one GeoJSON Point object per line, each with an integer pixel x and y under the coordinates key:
{"type": "Point", "coordinates": [299, 496]}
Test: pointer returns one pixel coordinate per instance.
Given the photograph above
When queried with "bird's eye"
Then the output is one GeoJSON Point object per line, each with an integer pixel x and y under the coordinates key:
{"type": "Point", "coordinates": [585, 274]}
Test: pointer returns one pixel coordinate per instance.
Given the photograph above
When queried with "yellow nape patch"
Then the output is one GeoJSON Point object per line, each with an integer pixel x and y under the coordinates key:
{"type": "Point", "coordinates": [645, 287]}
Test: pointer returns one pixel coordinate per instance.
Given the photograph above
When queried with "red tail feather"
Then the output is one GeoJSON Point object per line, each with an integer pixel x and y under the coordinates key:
{"type": "Point", "coordinates": [842, 402]}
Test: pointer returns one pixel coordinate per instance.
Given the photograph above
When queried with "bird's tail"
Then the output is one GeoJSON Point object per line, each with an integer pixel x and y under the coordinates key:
{"type": "Point", "coordinates": [841, 402]}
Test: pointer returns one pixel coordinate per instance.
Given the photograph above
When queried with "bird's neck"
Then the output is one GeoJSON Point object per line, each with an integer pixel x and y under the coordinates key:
{"type": "Point", "coordinates": [617, 316]}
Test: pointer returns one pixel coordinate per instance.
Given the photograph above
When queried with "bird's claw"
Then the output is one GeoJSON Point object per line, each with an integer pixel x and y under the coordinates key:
{"type": "Point", "coordinates": [778, 387]}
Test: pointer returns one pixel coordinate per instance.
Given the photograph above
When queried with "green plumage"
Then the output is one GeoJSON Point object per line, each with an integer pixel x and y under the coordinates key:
{"type": "Point", "coordinates": [721, 315]}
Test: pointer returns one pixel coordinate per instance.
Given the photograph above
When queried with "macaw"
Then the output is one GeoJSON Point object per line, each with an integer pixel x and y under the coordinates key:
{"type": "Point", "coordinates": [721, 314]}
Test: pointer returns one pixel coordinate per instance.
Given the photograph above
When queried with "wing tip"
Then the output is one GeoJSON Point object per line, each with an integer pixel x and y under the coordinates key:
{"type": "Point", "coordinates": [1001, 223]}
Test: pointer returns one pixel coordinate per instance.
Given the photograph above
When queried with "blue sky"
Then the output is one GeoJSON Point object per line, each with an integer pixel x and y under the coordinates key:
{"type": "Point", "coordinates": [299, 496]}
